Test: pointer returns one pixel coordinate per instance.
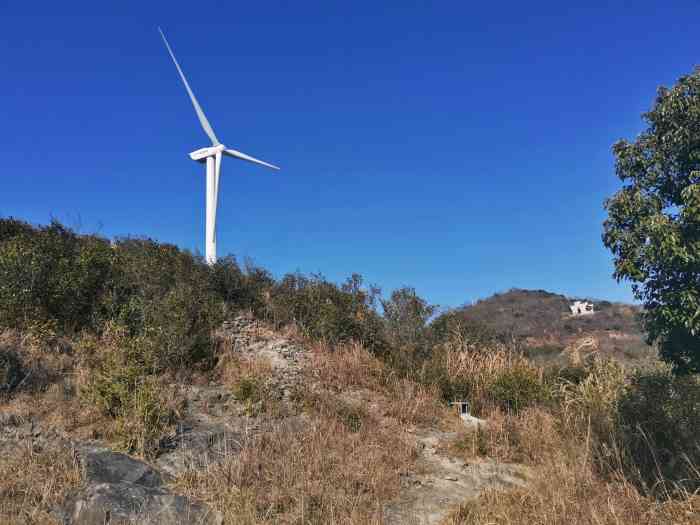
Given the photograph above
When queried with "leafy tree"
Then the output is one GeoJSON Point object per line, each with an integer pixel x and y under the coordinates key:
{"type": "Point", "coordinates": [407, 315]}
{"type": "Point", "coordinates": [653, 224]}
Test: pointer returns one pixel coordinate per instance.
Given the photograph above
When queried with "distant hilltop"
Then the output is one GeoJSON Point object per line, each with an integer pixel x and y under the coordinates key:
{"type": "Point", "coordinates": [549, 323]}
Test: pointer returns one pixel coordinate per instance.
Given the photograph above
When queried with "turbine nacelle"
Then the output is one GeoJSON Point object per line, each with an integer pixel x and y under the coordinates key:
{"type": "Point", "coordinates": [201, 154]}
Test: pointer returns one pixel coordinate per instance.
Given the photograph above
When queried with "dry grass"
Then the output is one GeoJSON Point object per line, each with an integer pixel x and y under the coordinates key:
{"type": "Point", "coordinates": [34, 480]}
{"type": "Point", "coordinates": [566, 491]}
{"type": "Point", "coordinates": [528, 437]}
{"type": "Point", "coordinates": [231, 369]}
{"type": "Point", "coordinates": [578, 471]}
{"type": "Point", "coordinates": [413, 404]}
{"type": "Point", "coordinates": [327, 472]}
{"type": "Point", "coordinates": [341, 465]}
{"type": "Point", "coordinates": [53, 376]}
{"type": "Point", "coordinates": [342, 460]}
{"type": "Point", "coordinates": [44, 356]}
{"type": "Point", "coordinates": [350, 368]}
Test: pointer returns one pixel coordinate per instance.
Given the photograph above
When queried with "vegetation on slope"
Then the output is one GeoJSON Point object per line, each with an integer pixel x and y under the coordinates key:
{"type": "Point", "coordinates": [541, 322]}
{"type": "Point", "coordinates": [98, 334]}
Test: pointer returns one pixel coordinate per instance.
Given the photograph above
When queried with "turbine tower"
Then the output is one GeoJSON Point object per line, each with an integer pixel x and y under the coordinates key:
{"type": "Point", "coordinates": [211, 155]}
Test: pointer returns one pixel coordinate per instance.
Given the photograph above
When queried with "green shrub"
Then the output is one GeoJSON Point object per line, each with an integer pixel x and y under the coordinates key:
{"type": "Point", "coordinates": [327, 312]}
{"type": "Point", "coordinates": [143, 418]}
{"type": "Point", "coordinates": [660, 421]}
{"type": "Point", "coordinates": [241, 289]}
{"type": "Point", "coordinates": [351, 415]}
{"type": "Point", "coordinates": [122, 387]}
{"type": "Point", "coordinates": [518, 387]}
{"type": "Point", "coordinates": [51, 273]}
{"type": "Point", "coordinates": [178, 327]}
{"type": "Point", "coordinates": [248, 389]}
{"type": "Point", "coordinates": [11, 227]}
{"type": "Point", "coordinates": [453, 325]}
{"type": "Point", "coordinates": [452, 387]}
{"type": "Point", "coordinates": [566, 374]}
{"type": "Point", "coordinates": [164, 295]}
{"type": "Point", "coordinates": [406, 315]}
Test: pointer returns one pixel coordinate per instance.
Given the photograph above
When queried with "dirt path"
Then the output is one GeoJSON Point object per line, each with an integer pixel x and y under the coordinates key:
{"type": "Point", "coordinates": [444, 483]}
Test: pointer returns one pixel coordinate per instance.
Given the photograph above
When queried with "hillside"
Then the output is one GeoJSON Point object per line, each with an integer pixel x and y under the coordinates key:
{"type": "Point", "coordinates": [542, 322]}
{"type": "Point", "coordinates": [140, 385]}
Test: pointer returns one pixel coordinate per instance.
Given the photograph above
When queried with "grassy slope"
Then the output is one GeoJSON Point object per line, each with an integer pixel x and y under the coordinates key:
{"type": "Point", "coordinates": [110, 367]}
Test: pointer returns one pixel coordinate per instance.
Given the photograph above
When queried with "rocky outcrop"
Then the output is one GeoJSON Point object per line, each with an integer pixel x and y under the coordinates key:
{"type": "Point", "coordinates": [119, 489]}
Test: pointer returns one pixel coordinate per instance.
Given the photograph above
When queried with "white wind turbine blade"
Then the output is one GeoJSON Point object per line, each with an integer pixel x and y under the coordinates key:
{"type": "Point", "coordinates": [217, 173]}
{"type": "Point", "coordinates": [243, 156]}
{"type": "Point", "coordinates": [202, 117]}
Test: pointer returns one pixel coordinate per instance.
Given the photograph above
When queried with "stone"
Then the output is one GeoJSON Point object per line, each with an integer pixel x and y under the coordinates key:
{"type": "Point", "coordinates": [129, 503]}
{"type": "Point", "coordinates": [11, 372]}
{"type": "Point", "coordinates": [120, 489]}
{"type": "Point", "coordinates": [8, 419]}
{"type": "Point", "coordinates": [105, 466]}
{"type": "Point", "coordinates": [196, 446]}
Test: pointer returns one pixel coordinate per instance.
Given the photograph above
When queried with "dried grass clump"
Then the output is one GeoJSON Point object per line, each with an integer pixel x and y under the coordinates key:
{"type": "Point", "coordinates": [585, 468]}
{"type": "Point", "coordinates": [565, 491]}
{"type": "Point", "coordinates": [33, 481]}
{"type": "Point", "coordinates": [328, 472]}
{"type": "Point", "coordinates": [348, 365]}
{"type": "Point", "coordinates": [491, 375]}
{"type": "Point", "coordinates": [529, 437]}
{"type": "Point", "coordinates": [411, 403]}
{"type": "Point", "coordinates": [594, 400]}
{"type": "Point", "coordinates": [232, 369]}
{"type": "Point", "coordinates": [40, 356]}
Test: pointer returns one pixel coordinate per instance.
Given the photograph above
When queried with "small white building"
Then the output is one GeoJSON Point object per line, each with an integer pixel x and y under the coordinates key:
{"type": "Point", "coordinates": [463, 410]}
{"type": "Point", "coordinates": [581, 308]}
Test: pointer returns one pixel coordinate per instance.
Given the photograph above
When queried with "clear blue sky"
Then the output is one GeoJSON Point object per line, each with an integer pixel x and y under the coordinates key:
{"type": "Point", "coordinates": [459, 147]}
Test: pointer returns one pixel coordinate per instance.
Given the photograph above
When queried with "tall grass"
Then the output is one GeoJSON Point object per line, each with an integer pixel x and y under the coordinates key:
{"type": "Point", "coordinates": [596, 452]}
{"type": "Point", "coordinates": [33, 480]}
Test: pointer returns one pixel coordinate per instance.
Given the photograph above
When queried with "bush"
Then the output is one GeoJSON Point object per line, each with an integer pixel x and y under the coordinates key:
{"type": "Point", "coordinates": [517, 388]}
{"type": "Point", "coordinates": [143, 418]}
{"type": "Point", "coordinates": [406, 316]}
{"type": "Point", "coordinates": [122, 388]}
{"type": "Point", "coordinates": [248, 389]}
{"type": "Point", "coordinates": [326, 312]}
{"type": "Point", "coordinates": [51, 273]}
{"type": "Point", "coordinates": [660, 421]}
{"type": "Point", "coordinates": [178, 328]}
{"type": "Point", "coordinates": [353, 416]}
{"type": "Point", "coordinates": [487, 374]}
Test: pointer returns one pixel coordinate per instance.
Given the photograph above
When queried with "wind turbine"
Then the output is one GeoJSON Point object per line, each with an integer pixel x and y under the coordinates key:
{"type": "Point", "coordinates": [211, 155]}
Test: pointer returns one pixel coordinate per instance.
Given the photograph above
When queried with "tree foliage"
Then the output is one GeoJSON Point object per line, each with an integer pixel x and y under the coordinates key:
{"type": "Point", "coordinates": [407, 315]}
{"type": "Point", "coordinates": [653, 224]}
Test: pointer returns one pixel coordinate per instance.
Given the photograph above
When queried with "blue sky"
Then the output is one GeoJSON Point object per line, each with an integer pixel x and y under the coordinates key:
{"type": "Point", "coordinates": [462, 148]}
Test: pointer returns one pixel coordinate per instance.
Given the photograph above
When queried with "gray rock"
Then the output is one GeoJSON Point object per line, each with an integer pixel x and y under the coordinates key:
{"type": "Point", "coordinates": [196, 446]}
{"type": "Point", "coordinates": [120, 489]}
{"type": "Point", "coordinates": [11, 372]}
{"type": "Point", "coordinates": [130, 503]}
{"type": "Point", "coordinates": [105, 466]}
{"type": "Point", "coordinates": [8, 419]}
